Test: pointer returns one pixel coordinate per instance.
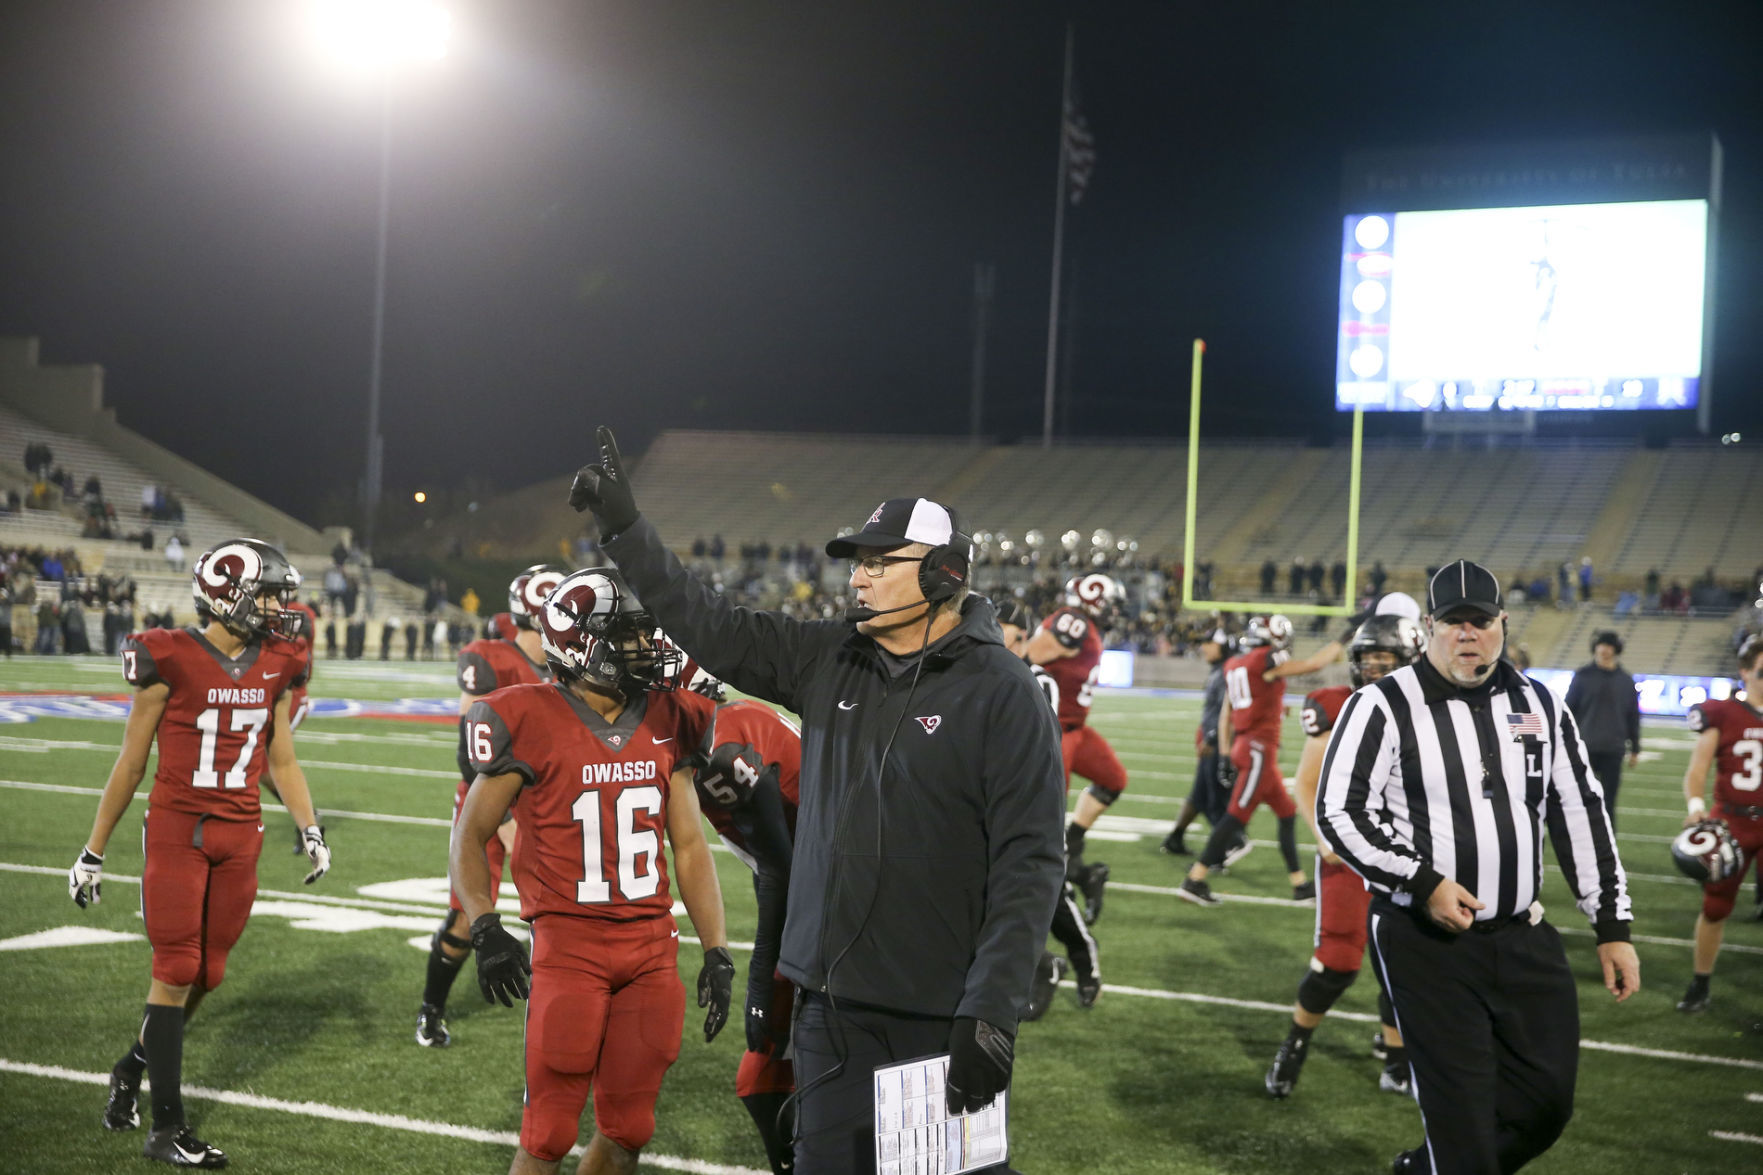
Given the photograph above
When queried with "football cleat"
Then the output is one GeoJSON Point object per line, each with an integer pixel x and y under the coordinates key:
{"type": "Point", "coordinates": [1093, 882]}
{"type": "Point", "coordinates": [1695, 999]}
{"type": "Point", "coordinates": [121, 1112]}
{"type": "Point", "coordinates": [431, 1029]}
{"type": "Point", "coordinates": [1379, 1048]}
{"type": "Point", "coordinates": [177, 1146]}
{"type": "Point", "coordinates": [1396, 1079]}
{"type": "Point", "coordinates": [1048, 972]}
{"type": "Point", "coordinates": [1288, 1062]}
{"type": "Point", "coordinates": [1089, 988]}
{"type": "Point", "coordinates": [1305, 892]}
{"type": "Point", "coordinates": [1176, 846]}
{"type": "Point", "coordinates": [1198, 892]}
{"type": "Point", "coordinates": [1237, 852]}
{"type": "Point", "coordinates": [1412, 1162]}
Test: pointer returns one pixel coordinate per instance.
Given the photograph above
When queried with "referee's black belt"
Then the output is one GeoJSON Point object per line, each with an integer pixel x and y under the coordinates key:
{"type": "Point", "coordinates": [1493, 925]}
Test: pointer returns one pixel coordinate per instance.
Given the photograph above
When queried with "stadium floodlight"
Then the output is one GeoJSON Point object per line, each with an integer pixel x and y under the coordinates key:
{"type": "Point", "coordinates": [380, 34]}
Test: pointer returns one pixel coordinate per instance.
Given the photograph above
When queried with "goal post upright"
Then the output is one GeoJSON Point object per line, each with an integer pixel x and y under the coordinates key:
{"type": "Point", "coordinates": [1189, 543]}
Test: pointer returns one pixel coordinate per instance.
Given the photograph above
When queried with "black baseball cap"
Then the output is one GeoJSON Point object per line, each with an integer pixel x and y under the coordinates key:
{"type": "Point", "coordinates": [899, 521]}
{"type": "Point", "coordinates": [1464, 585]}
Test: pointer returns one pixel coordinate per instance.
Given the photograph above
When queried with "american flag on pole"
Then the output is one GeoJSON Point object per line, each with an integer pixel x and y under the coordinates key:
{"type": "Point", "coordinates": [1080, 152]}
{"type": "Point", "coordinates": [1520, 725]}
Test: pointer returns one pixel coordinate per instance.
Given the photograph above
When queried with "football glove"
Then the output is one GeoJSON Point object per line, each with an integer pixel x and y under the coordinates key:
{"type": "Point", "coordinates": [502, 968]}
{"type": "Point", "coordinates": [761, 1032]}
{"type": "Point", "coordinates": [980, 1057]}
{"type": "Point", "coordinates": [605, 489]}
{"type": "Point", "coordinates": [84, 878]}
{"type": "Point", "coordinates": [319, 853]}
{"type": "Point", "coordinates": [716, 989]}
{"type": "Point", "coordinates": [1227, 772]}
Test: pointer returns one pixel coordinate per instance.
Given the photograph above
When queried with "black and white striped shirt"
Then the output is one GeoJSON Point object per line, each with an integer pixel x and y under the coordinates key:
{"type": "Point", "coordinates": [1424, 780]}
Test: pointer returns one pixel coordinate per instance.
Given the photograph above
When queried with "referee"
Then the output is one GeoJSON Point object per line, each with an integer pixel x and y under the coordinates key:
{"type": "Point", "coordinates": [1436, 788]}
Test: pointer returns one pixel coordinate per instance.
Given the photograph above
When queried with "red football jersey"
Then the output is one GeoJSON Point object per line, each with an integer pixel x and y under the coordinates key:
{"type": "Point", "coordinates": [593, 810]}
{"type": "Point", "coordinates": [778, 740]}
{"type": "Point", "coordinates": [1738, 763]}
{"type": "Point", "coordinates": [1075, 676]}
{"type": "Point", "coordinates": [1323, 707]}
{"type": "Point", "coordinates": [217, 720]}
{"type": "Point", "coordinates": [486, 665]}
{"type": "Point", "coordinates": [1254, 703]}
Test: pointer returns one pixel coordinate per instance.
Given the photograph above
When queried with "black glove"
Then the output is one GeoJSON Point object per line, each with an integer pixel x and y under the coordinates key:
{"type": "Point", "coordinates": [761, 1032]}
{"type": "Point", "coordinates": [605, 489]}
{"type": "Point", "coordinates": [716, 988]}
{"type": "Point", "coordinates": [1227, 771]}
{"type": "Point", "coordinates": [502, 968]}
{"type": "Point", "coordinates": [980, 1056]}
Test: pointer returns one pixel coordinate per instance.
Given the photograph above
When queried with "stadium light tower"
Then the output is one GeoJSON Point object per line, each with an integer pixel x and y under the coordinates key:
{"type": "Point", "coordinates": [378, 40]}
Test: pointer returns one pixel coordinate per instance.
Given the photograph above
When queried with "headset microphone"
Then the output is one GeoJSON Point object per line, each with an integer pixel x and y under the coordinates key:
{"type": "Point", "coordinates": [861, 613]}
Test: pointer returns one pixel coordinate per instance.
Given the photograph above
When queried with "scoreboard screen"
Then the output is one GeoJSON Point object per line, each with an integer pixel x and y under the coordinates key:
{"type": "Point", "coordinates": [1576, 307]}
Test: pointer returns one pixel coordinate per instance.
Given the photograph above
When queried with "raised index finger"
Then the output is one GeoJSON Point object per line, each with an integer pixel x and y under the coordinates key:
{"type": "Point", "coordinates": [609, 451]}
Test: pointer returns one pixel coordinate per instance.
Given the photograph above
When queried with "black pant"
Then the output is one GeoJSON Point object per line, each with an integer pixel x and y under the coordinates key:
{"type": "Point", "coordinates": [835, 1115]}
{"type": "Point", "coordinates": [1491, 1023]}
{"type": "Point", "coordinates": [1607, 766]}
{"type": "Point", "coordinates": [1208, 796]}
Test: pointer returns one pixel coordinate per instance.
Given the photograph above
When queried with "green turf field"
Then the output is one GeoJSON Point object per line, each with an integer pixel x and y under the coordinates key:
{"type": "Point", "coordinates": [304, 1061]}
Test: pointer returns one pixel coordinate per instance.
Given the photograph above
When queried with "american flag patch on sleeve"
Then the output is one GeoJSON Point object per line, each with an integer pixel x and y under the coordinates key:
{"type": "Point", "coordinates": [1520, 725]}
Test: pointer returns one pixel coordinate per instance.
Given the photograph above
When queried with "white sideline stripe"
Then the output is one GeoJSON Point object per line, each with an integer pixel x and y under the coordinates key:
{"type": "Point", "coordinates": [1604, 1046]}
{"type": "Point", "coordinates": [361, 1117]}
{"type": "Point", "coordinates": [1735, 1136]}
{"type": "Point", "coordinates": [1754, 1097]}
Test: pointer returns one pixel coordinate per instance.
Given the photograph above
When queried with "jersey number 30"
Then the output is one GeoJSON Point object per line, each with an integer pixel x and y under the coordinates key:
{"type": "Point", "coordinates": [639, 849]}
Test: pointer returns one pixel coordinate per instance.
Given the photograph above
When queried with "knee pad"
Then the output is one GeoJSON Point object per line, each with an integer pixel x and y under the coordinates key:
{"type": "Point", "coordinates": [1322, 986]}
{"type": "Point", "coordinates": [1717, 907]}
{"type": "Point", "coordinates": [627, 1119]}
{"type": "Point", "coordinates": [1103, 795]}
{"type": "Point", "coordinates": [177, 968]}
{"type": "Point", "coordinates": [213, 968]}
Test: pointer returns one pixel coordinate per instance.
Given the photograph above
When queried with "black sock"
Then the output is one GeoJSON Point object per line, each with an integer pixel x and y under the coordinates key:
{"type": "Point", "coordinates": [1396, 1058]}
{"type": "Point", "coordinates": [442, 972]}
{"type": "Point", "coordinates": [1299, 1035]}
{"type": "Point", "coordinates": [1223, 838]}
{"type": "Point", "coordinates": [1188, 812]}
{"type": "Point", "coordinates": [1699, 981]}
{"type": "Point", "coordinates": [163, 1035]}
{"type": "Point", "coordinates": [775, 1116]}
{"type": "Point", "coordinates": [133, 1063]}
{"type": "Point", "coordinates": [1288, 842]}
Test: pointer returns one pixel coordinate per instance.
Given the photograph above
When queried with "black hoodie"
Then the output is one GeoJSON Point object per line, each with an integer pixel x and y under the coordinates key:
{"type": "Point", "coordinates": [931, 889]}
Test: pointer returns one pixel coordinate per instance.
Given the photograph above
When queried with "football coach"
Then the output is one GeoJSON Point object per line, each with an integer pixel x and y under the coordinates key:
{"type": "Point", "coordinates": [929, 843]}
{"type": "Point", "coordinates": [1436, 788]}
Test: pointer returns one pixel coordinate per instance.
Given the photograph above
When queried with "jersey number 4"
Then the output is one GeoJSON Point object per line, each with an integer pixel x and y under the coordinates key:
{"type": "Point", "coordinates": [638, 849]}
{"type": "Point", "coordinates": [250, 722]}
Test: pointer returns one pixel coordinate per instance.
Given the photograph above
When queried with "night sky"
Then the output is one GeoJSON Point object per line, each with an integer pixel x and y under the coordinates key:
{"type": "Point", "coordinates": [764, 215]}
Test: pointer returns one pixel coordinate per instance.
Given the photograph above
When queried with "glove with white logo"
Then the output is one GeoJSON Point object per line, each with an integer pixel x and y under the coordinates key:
{"type": "Point", "coordinates": [605, 489]}
{"type": "Point", "coordinates": [761, 1032]}
{"type": "Point", "coordinates": [319, 853]}
{"type": "Point", "coordinates": [716, 989]}
{"type": "Point", "coordinates": [1227, 773]}
{"type": "Point", "coordinates": [502, 968]}
{"type": "Point", "coordinates": [980, 1058]}
{"type": "Point", "coordinates": [83, 879]}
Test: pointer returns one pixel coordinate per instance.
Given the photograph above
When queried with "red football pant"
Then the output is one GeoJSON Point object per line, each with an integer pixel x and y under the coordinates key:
{"type": "Point", "coordinates": [494, 850]}
{"type": "Point", "coordinates": [1258, 780]}
{"type": "Point", "coordinates": [1086, 752]}
{"type": "Point", "coordinates": [197, 886]}
{"type": "Point", "coordinates": [1342, 902]}
{"type": "Point", "coordinates": [1718, 899]}
{"type": "Point", "coordinates": [767, 1071]}
{"type": "Point", "coordinates": [605, 1014]}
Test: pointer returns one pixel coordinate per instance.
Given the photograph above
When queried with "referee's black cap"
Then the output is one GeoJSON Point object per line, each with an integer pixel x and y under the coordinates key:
{"type": "Point", "coordinates": [1463, 584]}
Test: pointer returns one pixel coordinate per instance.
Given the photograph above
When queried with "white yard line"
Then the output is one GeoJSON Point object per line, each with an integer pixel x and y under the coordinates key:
{"type": "Point", "coordinates": [1735, 1136]}
{"type": "Point", "coordinates": [360, 1117]}
{"type": "Point", "coordinates": [67, 789]}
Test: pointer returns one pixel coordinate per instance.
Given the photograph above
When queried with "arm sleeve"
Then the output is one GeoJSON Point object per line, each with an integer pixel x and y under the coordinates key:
{"type": "Point", "coordinates": [489, 746]}
{"type": "Point", "coordinates": [1024, 796]}
{"type": "Point", "coordinates": [476, 674]}
{"type": "Point", "coordinates": [768, 839]}
{"type": "Point", "coordinates": [138, 667]}
{"type": "Point", "coordinates": [765, 654]}
{"type": "Point", "coordinates": [1356, 770]}
{"type": "Point", "coordinates": [1632, 712]}
{"type": "Point", "coordinates": [1579, 828]}
{"type": "Point", "coordinates": [1315, 717]}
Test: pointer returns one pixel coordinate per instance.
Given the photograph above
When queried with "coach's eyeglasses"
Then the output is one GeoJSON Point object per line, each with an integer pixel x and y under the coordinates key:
{"type": "Point", "coordinates": [876, 566]}
{"type": "Point", "coordinates": [1480, 620]}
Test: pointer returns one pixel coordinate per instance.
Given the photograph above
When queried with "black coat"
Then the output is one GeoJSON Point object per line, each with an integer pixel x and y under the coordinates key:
{"type": "Point", "coordinates": [1607, 707]}
{"type": "Point", "coordinates": [941, 907]}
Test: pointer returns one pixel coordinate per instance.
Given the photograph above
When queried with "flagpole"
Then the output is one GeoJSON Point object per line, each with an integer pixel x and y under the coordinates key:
{"type": "Point", "coordinates": [1058, 252]}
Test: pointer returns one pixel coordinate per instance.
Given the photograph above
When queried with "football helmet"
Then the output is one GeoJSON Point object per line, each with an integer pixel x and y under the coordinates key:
{"type": "Point", "coordinates": [1273, 631]}
{"type": "Point", "coordinates": [228, 579]}
{"type": "Point", "coordinates": [1385, 634]}
{"type": "Point", "coordinates": [594, 630]}
{"type": "Point", "coordinates": [1706, 852]}
{"type": "Point", "coordinates": [1097, 595]}
{"type": "Point", "coordinates": [527, 592]}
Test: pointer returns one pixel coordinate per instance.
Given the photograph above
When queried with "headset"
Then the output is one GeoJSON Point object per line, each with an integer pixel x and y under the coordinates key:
{"type": "Point", "coordinates": [1606, 638]}
{"type": "Point", "coordinates": [943, 571]}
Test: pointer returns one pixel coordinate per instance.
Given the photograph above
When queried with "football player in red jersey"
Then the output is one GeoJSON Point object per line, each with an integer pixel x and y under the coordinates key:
{"type": "Point", "coordinates": [1382, 645]}
{"type": "Point", "coordinates": [1068, 646]}
{"type": "Point", "coordinates": [484, 666]}
{"type": "Point", "coordinates": [1730, 739]}
{"type": "Point", "coordinates": [1254, 690]}
{"type": "Point", "coordinates": [747, 778]}
{"type": "Point", "coordinates": [209, 695]}
{"type": "Point", "coordinates": [596, 767]}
